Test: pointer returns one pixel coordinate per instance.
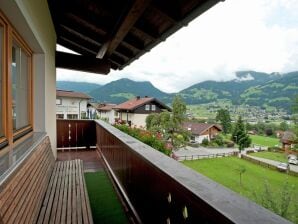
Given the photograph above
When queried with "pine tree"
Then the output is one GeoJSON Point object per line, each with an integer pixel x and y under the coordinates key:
{"type": "Point", "coordinates": [240, 135]}
{"type": "Point", "coordinates": [223, 116]}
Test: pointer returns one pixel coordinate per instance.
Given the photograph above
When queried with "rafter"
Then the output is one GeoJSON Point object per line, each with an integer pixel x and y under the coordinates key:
{"type": "Point", "coordinates": [74, 44]}
{"type": "Point", "coordinates": [127, 22]}
{"type": "Point", "coordinates": [79, 35]}
{"type": "Point", "coordinates": [82, 63]}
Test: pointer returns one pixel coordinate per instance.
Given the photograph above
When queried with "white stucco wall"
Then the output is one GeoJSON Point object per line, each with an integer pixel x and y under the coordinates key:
{"type": "Point", "coordinates": [71, 106]}
{"type": "Point", "coordinates": [110, 115]}
{"type": "Point", "coordinates": [32, 19]}
{"type": "Point", "coordinates": [200, 138]}
{"type": "Point", "coordinates": [139, 120]}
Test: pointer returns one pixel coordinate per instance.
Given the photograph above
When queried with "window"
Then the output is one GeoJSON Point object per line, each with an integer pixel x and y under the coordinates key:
{"type": "Point", "coordinates": [72, 116]}
{"type": "Point", "coordinates": [153, 107]}
{"type": "Point", "coordinates": [116, 114]}
{"type": "Point", "coordinates": [147, 107]}
{"type": "Point", "coordinates": [58, 101]}
{"type": "Point", "coordinates": [15, 85]}
{"type": "Point", "coordinates": [59, 116]}
{"type": "Point", "coordinates": [1, 83]}
{"type": "Point", "coordinates": [20, 78]}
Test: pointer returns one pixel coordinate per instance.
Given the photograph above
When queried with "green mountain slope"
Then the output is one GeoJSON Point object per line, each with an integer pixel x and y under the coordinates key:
{"type": "Point", "coordinates": [250, 87]}
{"type": "Point", "coordinates": [124, 89]}
{"type": "Point", "coordinates": [83, 87]}
{"type": "Point", "coordinates": [278, 93]}
{"type": "Point", "coordinates": [208, 91]}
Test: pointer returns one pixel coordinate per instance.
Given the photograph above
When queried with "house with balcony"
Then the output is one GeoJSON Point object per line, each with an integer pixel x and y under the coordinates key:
{"type": "Point", "coordinates": [72, 105]}
{"type": "Point", "coordinates": [39, 184]}
{"type": "Point", "coordinates": [201, 131]}
{"type": "Point", "coordinates": [135, 111]}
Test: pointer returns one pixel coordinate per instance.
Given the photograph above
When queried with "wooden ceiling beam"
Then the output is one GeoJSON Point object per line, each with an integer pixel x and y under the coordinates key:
{"type": "Point", "coordinates": [83, 22]}
{"type": "Point", "coordinates": [79, 35]}
{"type": "Point", "coordinates": [82, 63]}
{"type": "Point", "coordinates": [74, 46]}
{"type": "Point", "coordinates": [148, 35]}
{"type": "Point", "coordinates": [135, 11]}
{"type": "Point", "coordinates": [124, 51]}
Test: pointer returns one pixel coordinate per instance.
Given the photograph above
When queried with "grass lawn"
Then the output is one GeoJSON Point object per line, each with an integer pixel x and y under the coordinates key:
{"type": "Point", "coordinates": [264, 141]}
{"type": "Point", "coordinates": [277, 156]}
{"type": "Point", "coordinates": [105, 206]}
{"type": "Point", "coordinates": [224, 171]}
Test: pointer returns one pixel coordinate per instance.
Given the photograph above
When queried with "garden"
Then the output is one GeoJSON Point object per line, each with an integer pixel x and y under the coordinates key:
{"type": "Point", "coordinates": [254, 182]}
{"type": "Point", "coordinates": [276, 156]}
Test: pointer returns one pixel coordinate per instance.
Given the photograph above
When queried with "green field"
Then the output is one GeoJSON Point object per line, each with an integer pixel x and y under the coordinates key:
{"type": "Point", "coordinates": [277, 156]}
{"type": "Point", "coordinates": [224, 171]}
{"type": "Point", "coordinates": [105, 206]}
{"type": "Point", "coordinates": [264, 141]}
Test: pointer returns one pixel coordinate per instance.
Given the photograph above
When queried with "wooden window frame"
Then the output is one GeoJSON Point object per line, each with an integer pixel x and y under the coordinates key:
{"type": "Point", "coordinates": [4, 138]}
{"type": "Point", "coordinates": [10, 34]}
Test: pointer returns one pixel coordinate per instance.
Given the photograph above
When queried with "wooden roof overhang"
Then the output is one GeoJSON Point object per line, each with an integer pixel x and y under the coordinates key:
{"type": "Point", "coordinates": [110, 34]}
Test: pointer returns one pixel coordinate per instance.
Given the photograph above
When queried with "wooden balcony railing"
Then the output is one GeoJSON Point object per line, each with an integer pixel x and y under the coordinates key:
{"type": "Point", "coordinates": [75, 134]}
{"type": "Point", "coordinates": [161, 190]}
{"type": "Point", "coordinates": [158, 189]}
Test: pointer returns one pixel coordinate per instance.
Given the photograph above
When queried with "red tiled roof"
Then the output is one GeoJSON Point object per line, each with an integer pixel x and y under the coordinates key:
{"type": "Point", "coordinates": [137, 102]}
{"type": "Point", "coordinates": [288, 137]}
{"type": "Point", "coordinates": [198, 128]}
{"type": "Point", "coordinates": [72, 94]}
{"type": "Point", "coordinates": [107, 107]}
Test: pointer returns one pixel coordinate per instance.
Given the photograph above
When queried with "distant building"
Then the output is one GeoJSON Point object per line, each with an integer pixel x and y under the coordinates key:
{"type": "Point", "coordinates": [288, 140]}
{"type": "Point", "coordinates": [71, 105]}
{"type": "Point", "coordinates": [135, 111]}
{"type": "Point", "coordinates": [107, 113]}
{"type": "Point", "coordinates": [201, 131]}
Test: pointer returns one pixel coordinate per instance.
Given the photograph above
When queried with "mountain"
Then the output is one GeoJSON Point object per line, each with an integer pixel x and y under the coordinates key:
{"type": "Point", "coordinates": [123, 89]}
{"type": "Point", "coordinates": [277, 93]}
{"type": "Point", "coordinates": [84, 87]}
{"type": "Point", "coordinates": [209, 91]}
{"type": "Point", "coordinates": [249, 87]}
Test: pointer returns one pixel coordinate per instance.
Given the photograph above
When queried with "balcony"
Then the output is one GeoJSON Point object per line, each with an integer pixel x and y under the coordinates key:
{"type": "Point", "coordinates": [154, 187]}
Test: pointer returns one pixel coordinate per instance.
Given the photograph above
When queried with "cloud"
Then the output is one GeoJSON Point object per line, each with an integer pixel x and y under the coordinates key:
{"type": "Point", "coordinates": [234, 35]}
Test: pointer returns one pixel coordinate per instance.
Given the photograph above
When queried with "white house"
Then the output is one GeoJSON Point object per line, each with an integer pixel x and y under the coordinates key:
{"type": "Point", "coordinates": [201, 131]}
{"type": "Point", "coordinates": [108, 113]}
{"type": "Point", "coordinates": [135, 111]}
{"type": "Point", "coordinates": [71, 105]}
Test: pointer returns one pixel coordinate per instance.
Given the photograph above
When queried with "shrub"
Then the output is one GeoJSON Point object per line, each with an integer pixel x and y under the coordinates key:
{"type": "Point", "coordinates": [229, 144]}
{"type": "Point", "coordinates": [219, 140]}
{"type": "Point", "coordinates": [205, 142]}
{"type": "Point", "coordinates": [146, 137]}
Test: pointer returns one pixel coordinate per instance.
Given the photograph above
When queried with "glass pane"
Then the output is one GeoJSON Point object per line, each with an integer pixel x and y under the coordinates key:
{"type": "Point", "coordinates": [20, 88]}
{"type": "Point", "coordinates": [1, 84]}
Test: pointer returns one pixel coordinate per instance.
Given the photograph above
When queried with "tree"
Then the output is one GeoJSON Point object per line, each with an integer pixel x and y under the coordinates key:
{"type": "Point", "coordinates": [241, 170]}
{"type": "Point", "coordinates": [170, 124]}
{"type": "Point", "coordinates": [240, 135]}
{"type": "Point", "coordinates": [295, 115]}
{"type": "Point", "coordinates": [223, 116]}
{"type": "Point", "coordinates": [283, 126]}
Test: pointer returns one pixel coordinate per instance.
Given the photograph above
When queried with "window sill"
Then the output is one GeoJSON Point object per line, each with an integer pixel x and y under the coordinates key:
{"type": "Point", "coordinates": [11, 160]}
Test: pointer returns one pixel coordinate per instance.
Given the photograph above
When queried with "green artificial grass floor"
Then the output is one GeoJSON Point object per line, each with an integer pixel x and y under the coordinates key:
{"type": "Point", "coordinates": [105, 205]}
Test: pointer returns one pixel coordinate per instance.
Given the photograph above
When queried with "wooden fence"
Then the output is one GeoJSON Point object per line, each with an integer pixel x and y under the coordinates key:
{"type": "Point", "coordinates": [264, 164]}
{"type": "Point", "coordinates": [209, 156]}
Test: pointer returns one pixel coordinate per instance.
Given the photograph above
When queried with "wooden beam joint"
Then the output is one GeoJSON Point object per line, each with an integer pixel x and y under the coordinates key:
{"type": "Point", "coordinates": [82, 63]}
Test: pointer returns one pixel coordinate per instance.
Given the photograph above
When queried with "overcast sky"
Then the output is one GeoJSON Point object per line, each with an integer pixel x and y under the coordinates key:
{"type": "Point", "coordinates": [260, 35]}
